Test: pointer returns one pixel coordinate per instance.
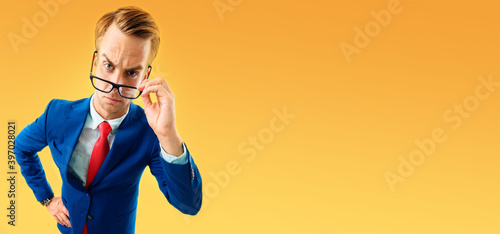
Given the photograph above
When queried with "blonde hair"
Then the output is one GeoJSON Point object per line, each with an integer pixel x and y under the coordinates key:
{"type": "Point", "coordinates": [130, 20]}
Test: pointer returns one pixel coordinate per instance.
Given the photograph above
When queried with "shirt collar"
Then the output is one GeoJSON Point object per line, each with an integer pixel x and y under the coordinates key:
{"type": "Point", "coordinates": [94, 119]}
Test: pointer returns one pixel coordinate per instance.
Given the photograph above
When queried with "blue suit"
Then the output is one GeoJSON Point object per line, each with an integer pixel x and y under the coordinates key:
{"type": "Point", "coordinates": [109, 205]}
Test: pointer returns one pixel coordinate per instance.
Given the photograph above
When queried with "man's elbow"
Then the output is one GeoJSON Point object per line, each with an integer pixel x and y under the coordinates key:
{"type": "Point", "coordinates": [17, 150]}
{"type": "Point", "coordinates": [191, 212]}
{"type": "Point", "coordinates": [190, 209]}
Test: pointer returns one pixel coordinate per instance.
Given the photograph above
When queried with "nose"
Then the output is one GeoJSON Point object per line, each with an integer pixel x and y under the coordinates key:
{"type": "Point", "coordinates": [117, 77]}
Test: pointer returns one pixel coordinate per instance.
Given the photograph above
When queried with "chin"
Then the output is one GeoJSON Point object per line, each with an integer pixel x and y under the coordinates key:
{"type": "Point", "coordinates": [114, 107]}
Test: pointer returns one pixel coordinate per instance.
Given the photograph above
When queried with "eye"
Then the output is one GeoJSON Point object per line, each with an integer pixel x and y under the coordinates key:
{"type": "Point", "coordinates": [132, 73]}
{"type": "Point", "coordinates": [108, 66]}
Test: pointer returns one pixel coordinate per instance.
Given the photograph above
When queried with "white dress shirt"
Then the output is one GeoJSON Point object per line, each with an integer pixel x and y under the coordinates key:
{"type": "Point", "coordinates": [80, 159]}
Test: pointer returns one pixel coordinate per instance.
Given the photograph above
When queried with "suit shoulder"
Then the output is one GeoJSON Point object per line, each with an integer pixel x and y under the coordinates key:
{"type": "Point", "coordinates": [140, 118]}
{"type": "Point", "coordinates": [138, 108]}
{"type": "Point", "coordinates": [139, 112]}
{"type": "Point", "coordinates": [64, 103]}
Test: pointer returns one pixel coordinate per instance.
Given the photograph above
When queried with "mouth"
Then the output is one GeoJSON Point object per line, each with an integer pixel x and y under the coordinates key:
{"type": "Point", "coordinates": [112, 100]}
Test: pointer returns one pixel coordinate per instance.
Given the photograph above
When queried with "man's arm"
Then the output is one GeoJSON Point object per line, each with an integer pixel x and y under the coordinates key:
{"type": "Point", "coordinates": [28, 143]}
{"type": "Point", "coordinates": [180, 183]}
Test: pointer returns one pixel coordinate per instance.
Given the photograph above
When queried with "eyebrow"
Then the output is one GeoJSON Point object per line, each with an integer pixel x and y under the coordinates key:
{"type": "Point", "coordinates": [139, 67]}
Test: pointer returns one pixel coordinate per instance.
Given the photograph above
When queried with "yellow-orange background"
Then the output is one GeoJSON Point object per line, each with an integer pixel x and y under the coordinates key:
{"type": "Point", "coordinates": [324, 173]}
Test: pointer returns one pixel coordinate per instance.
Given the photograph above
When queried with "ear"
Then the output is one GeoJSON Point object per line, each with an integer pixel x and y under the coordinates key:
{"type": "Point", "coordinates": [95, 58]}
{"type": "Point", "coordinates": [146, 76]}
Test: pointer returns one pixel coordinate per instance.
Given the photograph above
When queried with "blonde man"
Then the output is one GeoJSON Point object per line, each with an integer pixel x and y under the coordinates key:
{"type": "Point", "coordinates": [103, 143]}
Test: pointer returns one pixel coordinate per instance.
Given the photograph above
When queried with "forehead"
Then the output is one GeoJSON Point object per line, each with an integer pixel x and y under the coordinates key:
{"type": "Point", "coordinates": [122, 48]}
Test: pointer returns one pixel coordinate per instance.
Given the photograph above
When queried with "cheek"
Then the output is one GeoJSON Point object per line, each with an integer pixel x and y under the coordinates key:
{"type": "Point", "coordinates": [100, 98]}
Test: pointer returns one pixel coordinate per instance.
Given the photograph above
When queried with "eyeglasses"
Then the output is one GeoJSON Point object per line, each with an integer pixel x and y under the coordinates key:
{"type": "Point", "coordinates": [106, 86]}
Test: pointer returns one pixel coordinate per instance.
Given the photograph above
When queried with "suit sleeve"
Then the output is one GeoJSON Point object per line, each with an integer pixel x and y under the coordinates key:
{"type": "Point", "coordinates": [180, 183]}
{"type": "Point", "coordinates": [27, 144]}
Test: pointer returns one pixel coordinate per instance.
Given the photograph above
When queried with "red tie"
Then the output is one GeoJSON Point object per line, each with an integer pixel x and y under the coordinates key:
{"type": "Point", "coordinates": [99, 153]}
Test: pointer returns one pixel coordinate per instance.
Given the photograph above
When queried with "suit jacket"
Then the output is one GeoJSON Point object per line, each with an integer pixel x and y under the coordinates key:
{"type": "Point", "coordinates": [109, 205]}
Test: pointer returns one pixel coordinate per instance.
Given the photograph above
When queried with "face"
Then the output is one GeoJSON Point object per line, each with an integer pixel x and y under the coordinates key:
{"type": "Point", "coordinates": [121, 59]}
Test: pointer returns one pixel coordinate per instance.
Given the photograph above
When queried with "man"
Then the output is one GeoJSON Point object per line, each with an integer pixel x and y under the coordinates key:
{"type": "Point", "coordinates": [103, 143]}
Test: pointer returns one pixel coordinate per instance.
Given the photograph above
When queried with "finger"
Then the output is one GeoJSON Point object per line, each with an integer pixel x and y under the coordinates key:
{"type": "Point", "coordinates": [56, 217]}
{"type": "Point", "coordinates": [146, 99]}
{"type": "Point", "coordinates": [158, 90]}
{"type": "Point", "coordinates": [142, 85]}
{"type": "Point", "coordinates": [161, 81]}
{"type": "Point", "coordinates": [65, 220]}
{"type": "Point", "coordinates": [62, 219]}
{"type": "Point", "coordinates": [145, 83]}
{"type": "Point", "coordinates": [156, 81]}
{"type": "Point", "coordinates": [64, 210]}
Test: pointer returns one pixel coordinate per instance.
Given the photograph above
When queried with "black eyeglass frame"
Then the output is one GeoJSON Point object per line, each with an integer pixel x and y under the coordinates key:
{"type": "Point", "coordinates": [117, 86]}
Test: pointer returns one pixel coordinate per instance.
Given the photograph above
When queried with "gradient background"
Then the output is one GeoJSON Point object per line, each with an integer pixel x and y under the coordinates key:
{"type": "Point", "coordinates": [324, 173]}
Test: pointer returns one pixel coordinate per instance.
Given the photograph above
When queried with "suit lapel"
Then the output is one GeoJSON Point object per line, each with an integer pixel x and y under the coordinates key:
{"type": "Point", "coordinates": [120, 145]}
{"type": "Point", "coordinates": [74, 120]}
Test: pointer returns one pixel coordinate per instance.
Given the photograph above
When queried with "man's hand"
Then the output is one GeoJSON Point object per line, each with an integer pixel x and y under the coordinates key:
{"type": "Point", "coordinates": [57, 209]}
{"type": "Point", "coordinates": [161, 114]}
